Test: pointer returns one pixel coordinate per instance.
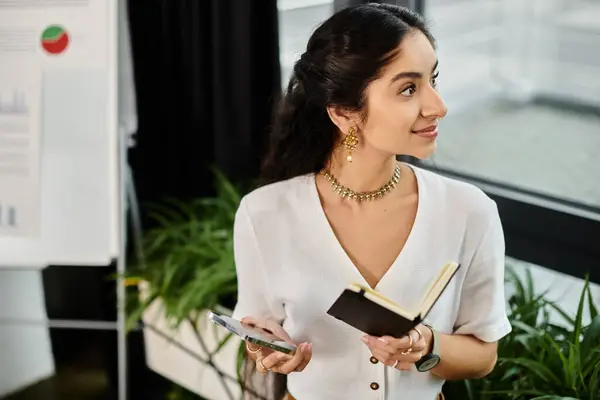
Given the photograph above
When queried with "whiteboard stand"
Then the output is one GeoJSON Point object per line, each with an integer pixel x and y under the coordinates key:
{"type": "Point", "coordinates": [129, 207]}
{"type": "Point", "coordinates": [121, 266]}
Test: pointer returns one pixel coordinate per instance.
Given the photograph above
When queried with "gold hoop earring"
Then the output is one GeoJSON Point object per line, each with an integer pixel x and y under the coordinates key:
{"type": "Point", "coordinates": [350, 142]}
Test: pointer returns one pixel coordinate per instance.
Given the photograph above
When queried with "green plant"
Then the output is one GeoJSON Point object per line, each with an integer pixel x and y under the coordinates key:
{"type": "Point", "coordinates": [559, 363]}
{"type": "Point", "coordinates": [188, 258]}
{"type": "Point", "coordinates": [539, 359]}
{"type": "Point", "coordinates": [523, 305]}
{"type": "Point", "coordinates": [187, 263]}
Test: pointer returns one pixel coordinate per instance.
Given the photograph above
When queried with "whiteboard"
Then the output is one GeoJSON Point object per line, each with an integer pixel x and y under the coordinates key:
{"type": "Point", "coordinates": [73, 43]}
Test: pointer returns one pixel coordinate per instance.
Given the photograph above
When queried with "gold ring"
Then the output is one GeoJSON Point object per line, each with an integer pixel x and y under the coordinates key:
{"type": "Point", "coordinates": [262, 369]}
{"type": "Point", "coordinates": [419, 332]}
{"type": "Point", "coordinates": [252, 351]}
{"type": "Point", "coordinates": [410, 345]}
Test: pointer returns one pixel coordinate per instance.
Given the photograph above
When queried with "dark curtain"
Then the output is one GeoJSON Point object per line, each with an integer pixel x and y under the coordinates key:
{"type": "Point", "coordinates": [207, 74]}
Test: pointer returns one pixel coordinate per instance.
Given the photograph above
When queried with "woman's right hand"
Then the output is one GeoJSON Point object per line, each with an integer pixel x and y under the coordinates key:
{"type": "Point", "coordinates": [270, 360]}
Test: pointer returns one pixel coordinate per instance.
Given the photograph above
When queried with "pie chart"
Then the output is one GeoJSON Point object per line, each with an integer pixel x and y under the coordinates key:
{"type": "Point", "coordinates": [55, 39]}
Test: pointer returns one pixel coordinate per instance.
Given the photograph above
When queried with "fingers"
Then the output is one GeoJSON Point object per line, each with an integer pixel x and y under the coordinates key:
{"type": "Point", "coordinates": [296, 363]}
{"type": "Point", "coordinates": [415, 334]}
{"type": "Point", "coordinates": [260, 367]}
{"type": "Point", "coordinates": [284, 363]}
{"type": "Point", "coordinates": [274, 359]}
{"type": "Point", "coordinates": [254, 349]}
{"type": "Point", "coordinates": [419, 343]}
{"type": "Point", "coordinates": [278, 331]}
{"type": "Point", "coordinates": [406, 350]}
{"type": "Point", "coordinates": [250, 321]}
{"type": "Point", "coordinates": [412, 343]}
{"type": "Point", "coordinates": [404, 366]}
{"type": "Point", "coordinates": [306, 359]}
{"type": "Point", "coordinates": [411, 357]}
{"type": "Point", "coordinates": [384, 357]}
{"type": "Point", "coordinates": [387, 343]}
{"type": "Point", "coordinates": [389, 359]}
{"type": "Point", "coordinates": [269, 326]}
{"type": "Point", "coordinates": [405, 363]}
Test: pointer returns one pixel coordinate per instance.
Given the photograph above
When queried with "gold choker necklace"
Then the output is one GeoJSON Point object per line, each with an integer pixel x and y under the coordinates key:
{"type": "Point", "coordinates": [363, 196]}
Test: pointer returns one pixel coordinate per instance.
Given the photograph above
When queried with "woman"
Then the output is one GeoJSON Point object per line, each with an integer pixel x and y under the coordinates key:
{"type": "Point", "coordinates": [337, 207]}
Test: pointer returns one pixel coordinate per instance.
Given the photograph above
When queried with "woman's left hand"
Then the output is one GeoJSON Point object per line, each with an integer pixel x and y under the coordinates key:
{"type": "Point", "coordinates": [400, 353]}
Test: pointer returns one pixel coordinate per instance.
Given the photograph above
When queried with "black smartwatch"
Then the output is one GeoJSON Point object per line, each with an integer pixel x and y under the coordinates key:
{"type": "Point", "coordinates": [430, 360]}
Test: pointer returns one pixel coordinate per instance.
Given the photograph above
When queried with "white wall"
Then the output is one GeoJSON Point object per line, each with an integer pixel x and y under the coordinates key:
{"type": "Point", "coordinates": [25, 350]}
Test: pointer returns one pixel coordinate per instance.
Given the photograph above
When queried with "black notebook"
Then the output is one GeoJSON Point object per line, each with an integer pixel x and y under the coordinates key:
{"type": "Point", "coordinates": [372, 313]}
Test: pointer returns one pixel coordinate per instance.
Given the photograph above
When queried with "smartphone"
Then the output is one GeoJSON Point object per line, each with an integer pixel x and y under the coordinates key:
{"type": "Point", "coordinates": [252, 334]}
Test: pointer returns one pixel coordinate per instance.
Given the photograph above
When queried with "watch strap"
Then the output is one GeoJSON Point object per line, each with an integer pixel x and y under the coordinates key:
{"type": "Point", "coordinates": [435, 348]}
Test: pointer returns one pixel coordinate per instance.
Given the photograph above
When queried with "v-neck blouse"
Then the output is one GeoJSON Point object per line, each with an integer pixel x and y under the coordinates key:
{"type": "Point", "coordinates": [330, 237]}
{"type": "Point", "coordinates": [291, 268]}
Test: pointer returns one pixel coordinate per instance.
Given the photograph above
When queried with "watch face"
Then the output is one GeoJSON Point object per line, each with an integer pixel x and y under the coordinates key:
{"type": "Point", "coordinates": [428, 362]}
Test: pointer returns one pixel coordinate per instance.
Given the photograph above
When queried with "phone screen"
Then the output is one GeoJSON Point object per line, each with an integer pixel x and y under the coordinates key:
{"type": "Point", "coordinates": [253, 334]}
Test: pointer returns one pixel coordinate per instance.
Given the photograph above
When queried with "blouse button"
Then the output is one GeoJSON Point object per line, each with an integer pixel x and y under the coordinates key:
{"type": "Point", "coordinates": [374, 385]}
{"type": "Point", "coordinates": [373, 360]}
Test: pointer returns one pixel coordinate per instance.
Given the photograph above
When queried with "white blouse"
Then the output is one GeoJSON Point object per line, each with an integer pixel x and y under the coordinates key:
{"type": "Point", "coordinates": [291, 268]}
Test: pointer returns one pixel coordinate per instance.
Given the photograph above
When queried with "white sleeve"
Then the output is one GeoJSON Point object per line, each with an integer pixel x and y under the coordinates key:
{"type": "Point", "coordinates": [482, 309]}
{"type": "Point", "coordinates": [254, 293]}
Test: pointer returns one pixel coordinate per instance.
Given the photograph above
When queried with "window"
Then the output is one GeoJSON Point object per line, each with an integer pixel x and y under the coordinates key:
{"type": "Point", "coordinates": [521, 83]}
{"type": "Point", "coordinates": [297, 20]}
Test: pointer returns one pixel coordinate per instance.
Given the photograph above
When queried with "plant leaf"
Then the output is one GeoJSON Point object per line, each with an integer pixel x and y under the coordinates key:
{"type": "Point", "coordinates": [562, 313]}
{"type": "Point", "coordinates": [591, 306]}
{"type": "Point", "coordinates": [594, 387]}
{"type": "Point", "coordinates": [573, 367]}
{"type": "Point", "coordinates": [535, 367]}
{"type": "Point", "coordinates": [517, 393]}
{"type": "Point", "coordinates": [529, 280]}
{"type": "Point", "coordinates": [187, 260]}
{"type": "Point", "coordinates": [591, 337]}
{"type": "Point", "coordinates": [578, 318]}
{"type": "Point", "coordinates": [511, 372]}
{"type": "Point", "coordinates": [469, 388]}
{"type": "Point", "coordinates": [526, 328]}
{"type": "Point", "coordinates": [591, 360]}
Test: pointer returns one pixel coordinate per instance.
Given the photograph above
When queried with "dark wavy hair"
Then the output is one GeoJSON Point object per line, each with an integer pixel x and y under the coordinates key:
{"type": "Point", "coordinates": [344, 54]}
